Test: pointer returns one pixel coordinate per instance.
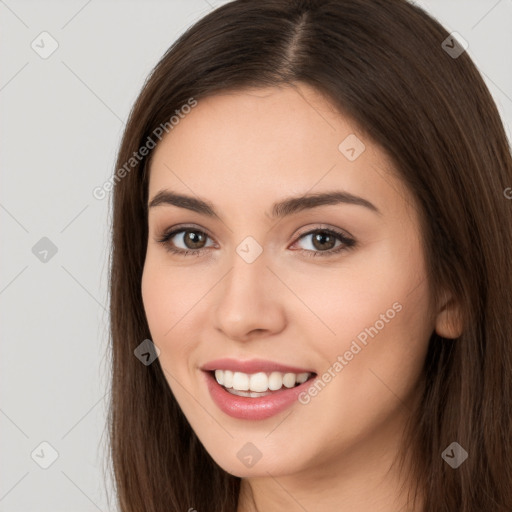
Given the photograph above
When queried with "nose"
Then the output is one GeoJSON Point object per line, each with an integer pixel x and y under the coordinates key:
{"type": "Point", "coordinates": [248, 304]}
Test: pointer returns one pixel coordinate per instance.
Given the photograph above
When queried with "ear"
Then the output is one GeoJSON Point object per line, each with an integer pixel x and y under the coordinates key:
{"type": "Point", "coordinates": [448, 322]}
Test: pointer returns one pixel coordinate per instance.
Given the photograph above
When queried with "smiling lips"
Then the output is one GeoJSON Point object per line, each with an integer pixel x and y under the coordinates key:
{"type": "Point", "coordinates": [256, 389]}
{"type": "Point", "coordinates": [258, 384]}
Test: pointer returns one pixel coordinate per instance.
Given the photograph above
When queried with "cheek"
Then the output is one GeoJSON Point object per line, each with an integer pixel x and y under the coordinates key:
{"type": "Point", "coordinates": [157, 297]}
{"type": "Point", "coordinates": [371, 367]}
{"type": "Point", "coordinates": [164, 298]}
{"type": "Point", "coordinates": [382, 356]}
{"type": "Point", "coordinates": [168, 294]}
{"type": "Point", "coordinates": [374, 313]}
{"type": "Point", "coordinates": [340, 302]}
{"type": "Point", "coordinates": [174, 298]}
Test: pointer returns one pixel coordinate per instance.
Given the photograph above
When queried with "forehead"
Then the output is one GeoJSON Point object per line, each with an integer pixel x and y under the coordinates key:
{"type": "Point", "coordinates": [259, 124]}
{"type": "Point", "coordinates": [268, 143]}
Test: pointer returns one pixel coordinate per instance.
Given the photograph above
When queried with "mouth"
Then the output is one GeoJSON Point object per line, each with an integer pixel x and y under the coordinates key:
{"type": "Point", "coordinates": [255, 390]}
{"type": "Point", "coordinates": [260, 384]}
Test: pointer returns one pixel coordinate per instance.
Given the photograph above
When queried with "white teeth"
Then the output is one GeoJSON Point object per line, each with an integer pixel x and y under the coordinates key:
{"type": "Point", "coordinates": [241, 381]}
{"type": "Point", "coordinates": [302, 377]}
{"type": "Point", "coordinates": [228, 378]}
{"type": "Point", "coordinates": [257, 384]}
{"type": "Point", "coordinates": [275, 381]}
{"type": "Point", "coordinates": [250, 394]}
{"type": "Point", "coordinates": [289, 380]}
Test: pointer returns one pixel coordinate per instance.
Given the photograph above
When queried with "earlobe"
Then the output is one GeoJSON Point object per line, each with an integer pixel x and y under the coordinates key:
{"type": "Point", "coordinates": [449, 319]}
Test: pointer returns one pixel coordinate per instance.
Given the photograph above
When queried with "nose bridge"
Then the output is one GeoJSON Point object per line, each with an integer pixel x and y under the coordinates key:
{"type": "Point", "coordinates": [245, 282]}
{"type": "Point", "coordinates": [245, 301]}
{"type": "Point", "coordinates": [248, 272]}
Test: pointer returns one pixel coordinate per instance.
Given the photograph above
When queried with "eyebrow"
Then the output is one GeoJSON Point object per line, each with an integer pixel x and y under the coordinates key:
{"type": "Point", "coordinates": [283, 208]}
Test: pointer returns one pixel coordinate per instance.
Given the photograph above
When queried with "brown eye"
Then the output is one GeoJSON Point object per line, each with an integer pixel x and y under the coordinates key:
{"type": "Point", "coordinates": [323, 242]}
{"type": "Point", "coordinates": [185, 241]}
{"type": "Point", "coordinates": [194, 239]}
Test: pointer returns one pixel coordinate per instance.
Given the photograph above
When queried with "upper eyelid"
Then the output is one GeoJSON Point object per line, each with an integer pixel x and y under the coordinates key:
{"type": "Point", "coordinates": [178, 229]}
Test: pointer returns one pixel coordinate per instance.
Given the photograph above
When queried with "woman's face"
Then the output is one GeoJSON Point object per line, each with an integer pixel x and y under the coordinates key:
{"type": "Point", "coordinates": [272, 295]}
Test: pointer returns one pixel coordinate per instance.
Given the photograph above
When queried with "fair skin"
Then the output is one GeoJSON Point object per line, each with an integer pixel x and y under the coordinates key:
{"type": "Point", "coordinates": [242, 151]}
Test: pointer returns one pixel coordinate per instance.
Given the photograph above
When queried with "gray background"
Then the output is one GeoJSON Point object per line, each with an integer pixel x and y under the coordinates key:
{"type": "Point", "coordinates": [61, 123]}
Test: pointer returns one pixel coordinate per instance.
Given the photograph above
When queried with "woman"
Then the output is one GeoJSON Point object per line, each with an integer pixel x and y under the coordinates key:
{"type": "Point", "coordinates": [375, 375]}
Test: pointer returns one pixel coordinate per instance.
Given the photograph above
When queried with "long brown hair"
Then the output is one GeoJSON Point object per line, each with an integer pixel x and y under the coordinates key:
{"type": "Point", "coordinates": [384, 64]}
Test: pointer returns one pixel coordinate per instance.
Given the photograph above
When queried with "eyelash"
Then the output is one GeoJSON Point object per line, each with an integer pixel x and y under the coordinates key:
{"type": "Point", "coordinates": [346, 242]}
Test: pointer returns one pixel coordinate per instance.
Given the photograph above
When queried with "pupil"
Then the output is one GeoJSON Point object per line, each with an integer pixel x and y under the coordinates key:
{"type": "Point", "coordinates": [195, 238]}
{"type": "Point", "coordinates": [322, 237]}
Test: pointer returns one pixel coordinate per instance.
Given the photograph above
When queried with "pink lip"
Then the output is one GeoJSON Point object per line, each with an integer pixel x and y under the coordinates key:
{"type": "Point", "coordinates": [247, 408]}
{"type": "Point", "coordinates": [252, 366]}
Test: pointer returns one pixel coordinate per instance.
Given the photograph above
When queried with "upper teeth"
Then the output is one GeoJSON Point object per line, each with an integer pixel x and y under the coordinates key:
{"type": "Point", "coordinates": [260, 381]}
